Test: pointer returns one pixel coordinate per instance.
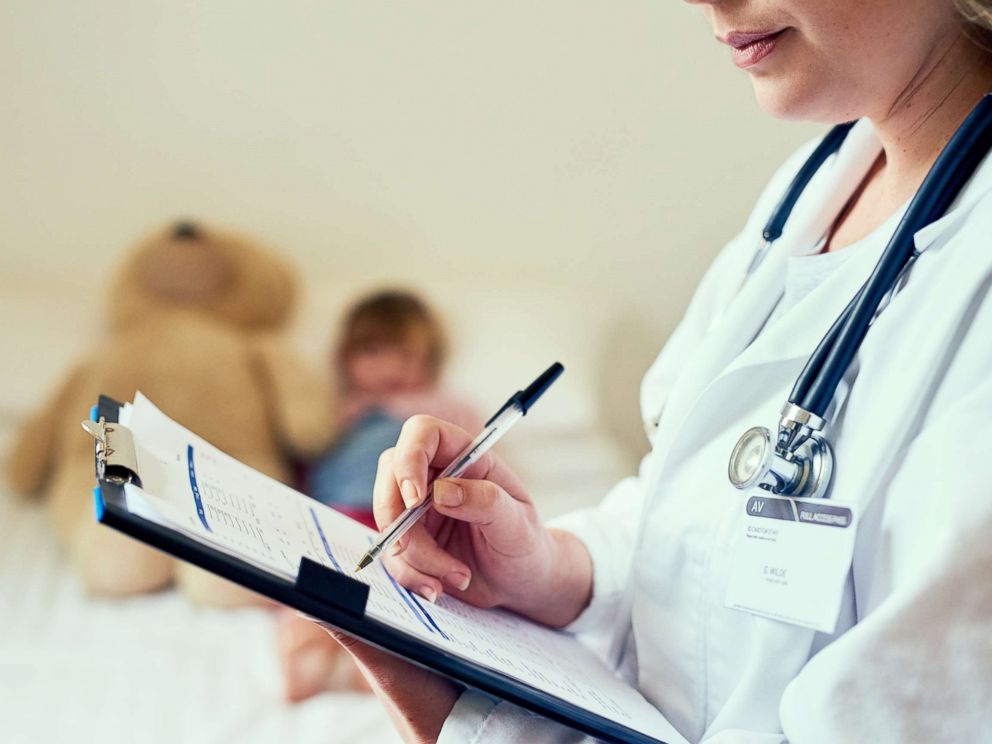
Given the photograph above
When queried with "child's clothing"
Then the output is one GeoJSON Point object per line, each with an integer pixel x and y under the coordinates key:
{"type": "Point", "coordinates": [344, 476]}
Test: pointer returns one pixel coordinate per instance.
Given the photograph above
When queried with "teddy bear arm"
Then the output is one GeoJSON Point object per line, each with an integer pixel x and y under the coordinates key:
{"type": "Point", "coordinates": [299, 402]}
{"type": "Point", "coordinates": [35, 450]}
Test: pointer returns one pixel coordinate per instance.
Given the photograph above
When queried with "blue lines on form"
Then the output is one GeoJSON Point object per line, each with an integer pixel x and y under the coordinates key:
{"type": "Point", "coordinates": [410, 605]}
{"type": "Point", "coordinates": [195, 488]}
{"type": "Point", "coordinates": [426, 614]}
{"type": "Point", "coordinates": [413, 604]}
{"type": "Point", "coordinates": [323, 539]}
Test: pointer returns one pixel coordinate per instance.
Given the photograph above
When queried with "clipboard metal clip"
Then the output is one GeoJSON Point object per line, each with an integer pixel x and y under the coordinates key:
{"type": "Point", "coordinates": [114, 452]}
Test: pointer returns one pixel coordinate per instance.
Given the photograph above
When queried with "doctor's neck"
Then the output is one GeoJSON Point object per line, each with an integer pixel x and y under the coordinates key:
{"type": "Point", "coordinates": [914, 127]}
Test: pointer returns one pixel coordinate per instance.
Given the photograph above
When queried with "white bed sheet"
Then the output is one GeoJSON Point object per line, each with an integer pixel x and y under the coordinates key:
{"type": "Point", "coordinates": [150, 669]}
{"type": "Point", "coordinates": [154, 669]}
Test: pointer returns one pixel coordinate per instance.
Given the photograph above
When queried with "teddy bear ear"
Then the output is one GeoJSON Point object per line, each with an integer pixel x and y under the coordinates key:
{"type": "Point", "coordinates": [264, 290]}
{"type": "Point", "coordinates": [222, 274]}
{"type": "Point", "coordinates": [183, 265]}
{"type": "Point", "coordinates": [186, 230]}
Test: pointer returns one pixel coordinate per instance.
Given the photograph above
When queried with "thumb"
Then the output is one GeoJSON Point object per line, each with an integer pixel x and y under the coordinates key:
{"type": "Point", "coordinates": [346, 640]}
{"type": "Point", "coordinates": [349, 642]}
{"type": "Point", "coordinates": [506, 523]}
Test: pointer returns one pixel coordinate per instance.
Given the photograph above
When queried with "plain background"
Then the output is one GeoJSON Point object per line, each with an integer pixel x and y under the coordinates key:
{"type": "Point", "coordinates": [610, 147]}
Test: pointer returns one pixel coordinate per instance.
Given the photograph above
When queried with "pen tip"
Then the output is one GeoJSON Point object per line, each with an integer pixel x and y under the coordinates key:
{"type": "Point", "coordinates": [366, 560]}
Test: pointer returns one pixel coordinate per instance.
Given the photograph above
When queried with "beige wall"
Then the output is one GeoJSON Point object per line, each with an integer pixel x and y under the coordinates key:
{"type": "Point", "coordinates": [588, 143]}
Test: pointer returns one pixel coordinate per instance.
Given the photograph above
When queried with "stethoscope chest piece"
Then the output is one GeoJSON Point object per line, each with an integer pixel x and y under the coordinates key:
{"type": "Point", "coordinates": [804, 471]}
{"type": "Point", "coordinates": [799, 462]}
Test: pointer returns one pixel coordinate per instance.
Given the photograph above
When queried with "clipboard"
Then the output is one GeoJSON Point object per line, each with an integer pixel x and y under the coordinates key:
{"type": "Point", "coordinates": [319, 591]}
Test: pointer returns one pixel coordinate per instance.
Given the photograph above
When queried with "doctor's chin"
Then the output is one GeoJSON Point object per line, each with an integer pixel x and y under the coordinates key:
{"type": "Point", "coordinates": [448, 373]}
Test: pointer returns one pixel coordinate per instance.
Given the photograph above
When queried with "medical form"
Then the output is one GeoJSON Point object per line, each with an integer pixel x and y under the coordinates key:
{"type": "Point", "coordinates": [190, 486]}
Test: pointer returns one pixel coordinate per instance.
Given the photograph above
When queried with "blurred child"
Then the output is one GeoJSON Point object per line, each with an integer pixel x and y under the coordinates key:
{"type": "Point", "coordinates": [388, 361]}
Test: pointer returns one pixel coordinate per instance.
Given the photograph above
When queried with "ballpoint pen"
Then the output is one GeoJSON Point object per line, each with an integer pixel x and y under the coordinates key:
{"type": "Point", "coordinates": [512, 411]}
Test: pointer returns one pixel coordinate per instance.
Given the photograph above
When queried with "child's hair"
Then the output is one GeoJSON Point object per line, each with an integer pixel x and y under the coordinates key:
{"type": "Point", "coordinates": [393, 316]}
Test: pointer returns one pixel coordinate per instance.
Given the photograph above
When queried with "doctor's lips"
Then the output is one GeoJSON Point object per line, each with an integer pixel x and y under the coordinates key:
{"type": "Point", "coordinates": [750, 47]}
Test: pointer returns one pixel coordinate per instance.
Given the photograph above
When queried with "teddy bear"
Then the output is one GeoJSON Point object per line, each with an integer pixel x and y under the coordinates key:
{"type": "Point", "coordinates": [194, 316]}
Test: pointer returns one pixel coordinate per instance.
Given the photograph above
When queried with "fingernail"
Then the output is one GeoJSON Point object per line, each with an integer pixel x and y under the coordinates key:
{"type": "Point", "coordinates": [458, 580]}
{"type": "Point", "coordinates": [409, 493]}
{"type": "Point", "coordinates": [448, 494]}
{"type": "Point", "coordinates": [428, 593]}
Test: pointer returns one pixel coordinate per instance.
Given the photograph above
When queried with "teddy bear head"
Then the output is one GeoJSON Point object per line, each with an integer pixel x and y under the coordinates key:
{"type": "Point", "coordinates": [191, 266]}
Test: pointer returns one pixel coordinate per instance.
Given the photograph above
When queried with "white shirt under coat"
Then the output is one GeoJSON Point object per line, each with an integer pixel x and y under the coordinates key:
{"type": "Point", "coordinates": [911, 660]}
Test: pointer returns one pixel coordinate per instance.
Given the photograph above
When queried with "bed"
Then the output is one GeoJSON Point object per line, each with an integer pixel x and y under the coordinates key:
{"type": "Point", "coordinates": [155, 669]}
{"type": "Point", "coordinates": [147, 669]}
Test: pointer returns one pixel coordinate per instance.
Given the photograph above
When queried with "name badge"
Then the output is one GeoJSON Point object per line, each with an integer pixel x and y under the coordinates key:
{"type": "Point", "coordinates": [791, 560]}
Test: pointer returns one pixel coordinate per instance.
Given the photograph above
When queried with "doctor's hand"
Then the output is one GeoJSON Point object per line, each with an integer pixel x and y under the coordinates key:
{"type": "Point", "coordinates": [418, 701]}
{"type": "Point", "coordinates": [483, 541]}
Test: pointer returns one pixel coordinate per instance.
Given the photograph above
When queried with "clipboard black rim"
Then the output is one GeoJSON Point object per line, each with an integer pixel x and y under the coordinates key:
{"type": "Point", "coordinates": [112, 512]}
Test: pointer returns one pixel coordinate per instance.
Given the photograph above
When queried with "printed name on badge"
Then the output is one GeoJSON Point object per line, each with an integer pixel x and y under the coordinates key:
{"type": "Point", "coordinates": [791, 559]}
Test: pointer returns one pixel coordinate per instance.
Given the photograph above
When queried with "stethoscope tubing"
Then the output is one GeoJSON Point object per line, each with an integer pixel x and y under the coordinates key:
{"type": "Point", "coordinates": [829, 145]}
{"type": "Point", "coordinates": [800, 463]}
{"type": "Point", "coordinates": [818, 382]}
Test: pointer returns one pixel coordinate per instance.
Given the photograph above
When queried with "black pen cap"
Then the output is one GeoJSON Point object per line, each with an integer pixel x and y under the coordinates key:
{"type": "Point", "coordinates": [524, 399]}
{"type": "Point", "coordinates": [535, 390]}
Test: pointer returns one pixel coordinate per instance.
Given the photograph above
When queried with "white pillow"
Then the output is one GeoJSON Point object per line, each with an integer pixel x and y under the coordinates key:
{"type": "Point", "coordinates": [501, 338]}
{"type": "Point", "coordinates": [46, 328]}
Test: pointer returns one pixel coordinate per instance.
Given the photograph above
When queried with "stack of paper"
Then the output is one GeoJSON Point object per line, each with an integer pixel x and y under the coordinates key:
{"type": "Point", "coordinates": [191, 486]}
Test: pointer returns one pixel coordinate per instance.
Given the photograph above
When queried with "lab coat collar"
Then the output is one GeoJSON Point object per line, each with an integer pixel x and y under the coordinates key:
{"type": "Point", "coordinates": [727, 346]}
{"type": "Point", "coordinates": [974, 191]}
{"type": "Point", "coordinates": [793, 337]}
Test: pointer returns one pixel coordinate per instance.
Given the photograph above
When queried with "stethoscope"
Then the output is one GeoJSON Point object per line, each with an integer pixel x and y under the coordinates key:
{"type": "Point", "coordinates": [799, 463]}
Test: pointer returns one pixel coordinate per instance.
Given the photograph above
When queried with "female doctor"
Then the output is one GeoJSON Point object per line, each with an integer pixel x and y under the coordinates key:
{"type": "Point", "coordinates": [910, 655]}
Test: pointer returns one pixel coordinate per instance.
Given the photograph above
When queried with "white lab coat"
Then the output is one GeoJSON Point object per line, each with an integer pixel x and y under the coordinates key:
{"type": "Point", "coordinates": [911, 659]}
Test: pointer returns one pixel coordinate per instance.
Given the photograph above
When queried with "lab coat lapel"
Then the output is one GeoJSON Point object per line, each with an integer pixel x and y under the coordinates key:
{"type": "Point", "coordinates": [978, 187]}
{"type": "Point", "coordinates": [797, 333]}
{"type": "Point", "coordinates": [739, 324]}
{"type": "Point", "coordinates": [783, 348]}
{"type": "Point", "coordinates": [727, 345]}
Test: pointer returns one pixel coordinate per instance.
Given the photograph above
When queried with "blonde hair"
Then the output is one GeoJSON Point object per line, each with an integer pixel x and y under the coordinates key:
{"type": "Point", "coordinates": [977, 15]}
{"type": "Point", "coordinates": [394, 316]}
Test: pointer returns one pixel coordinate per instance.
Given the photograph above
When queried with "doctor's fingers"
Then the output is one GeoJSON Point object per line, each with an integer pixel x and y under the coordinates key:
{"type": "Point", "coordinates": [427, 586]}
{"type": "Point", "coordinates": [425, 446]}
{"type": "Point", "coordinates": [422, 559]}
{"type": "Point", "coordinates": [387, 502]}
{"type": "Point", "coordinates": [510, 525]}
